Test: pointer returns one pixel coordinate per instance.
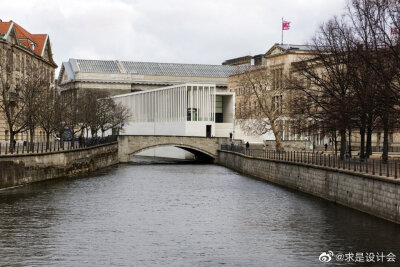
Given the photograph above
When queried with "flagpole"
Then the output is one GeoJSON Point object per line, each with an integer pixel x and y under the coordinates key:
{"type": "Point", "coordinates": [282, 32]}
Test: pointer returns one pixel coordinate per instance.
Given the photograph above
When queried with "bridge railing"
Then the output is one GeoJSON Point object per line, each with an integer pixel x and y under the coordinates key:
{"type": "Point", "coordinates": [55, 146]}
{"type": "Point", "coordinates": [373, 166]}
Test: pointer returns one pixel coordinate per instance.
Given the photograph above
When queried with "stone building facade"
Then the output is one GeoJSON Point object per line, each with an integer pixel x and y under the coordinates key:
{"type": "Point", "coordinates": [22, 55]}
{"type": "Point", "coordinates": [275, 65]}
{"type": "Point", "coordinates": [279, 61]}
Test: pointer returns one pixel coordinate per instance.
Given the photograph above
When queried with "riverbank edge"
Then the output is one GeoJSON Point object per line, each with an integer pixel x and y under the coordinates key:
{"type": "Point", "coordinates": [17, 170]}
{"type": "Point", "coordinates": [378, 196]}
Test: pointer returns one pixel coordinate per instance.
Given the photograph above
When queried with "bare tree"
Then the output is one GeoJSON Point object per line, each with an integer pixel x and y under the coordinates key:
{"type": "Point", "coordinates": [60, 107]}
{"type": "Point", "coordinates": [47, 111]}
{"type": "Point", "coordinates": [120, 115]}
{"type": "Point", "coordinates": [110, 114]}
{"type": "Point", "coordinates": [31, 90]}
{"type": "Point", "coordinates": [92, 110]}
{"type": "Point", "coordinates": [12, 110]}
{"type": "Point", "coordinates": [72, 115]}
{"type": "Point", "coordinates": [376, 29]}
{"type": "Point", "coordinates": [325, 80]}
{"type": "Point", "coordinates": [261, 107]}
{"type": "Point", "coordinates": [354, 80]}
{"type": "Point", "coordinates": [89, 110]}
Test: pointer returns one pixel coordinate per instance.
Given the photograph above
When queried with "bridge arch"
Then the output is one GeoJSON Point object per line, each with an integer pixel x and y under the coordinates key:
{"type": "Point", "coordinates": [200, 154]}
{"type": "Point", "coordinates": [204, 148]}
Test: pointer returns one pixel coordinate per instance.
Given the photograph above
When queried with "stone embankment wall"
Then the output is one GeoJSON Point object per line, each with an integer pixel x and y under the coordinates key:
{"type": "Point", "coordinates": [378, 196]}
{"type": "Point", "coordinates": [22, 169]}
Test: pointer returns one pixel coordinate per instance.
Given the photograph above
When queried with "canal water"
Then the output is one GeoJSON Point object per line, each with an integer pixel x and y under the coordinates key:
{"type": "Point", "coordinates": [184, 214]}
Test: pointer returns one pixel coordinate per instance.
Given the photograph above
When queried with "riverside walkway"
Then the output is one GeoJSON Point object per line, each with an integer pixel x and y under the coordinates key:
{"type": "Point", "coordinates": [57, 146]}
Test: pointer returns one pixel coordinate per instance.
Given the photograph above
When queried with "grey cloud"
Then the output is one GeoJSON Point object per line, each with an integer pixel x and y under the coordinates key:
{"type": "Point", "coordinates": [187, 31]}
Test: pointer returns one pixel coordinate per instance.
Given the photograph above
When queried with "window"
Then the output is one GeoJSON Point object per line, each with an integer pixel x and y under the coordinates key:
{"type": "Point", "coordinates": [192, 114]}
{"type": "Point", "coordinates": [277, 79]}
{"type": "Point", "coordinates": [219, 117]}
{"type": "Point", "coordinates": [277, 103]}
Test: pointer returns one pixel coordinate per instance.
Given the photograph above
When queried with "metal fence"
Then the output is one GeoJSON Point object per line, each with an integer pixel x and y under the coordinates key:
{"type": "Point", "coordinates": [368, 166]}
{"type": "Point", "coordinates": [42, 147]}
{"type": "Point", "coordinates": [378, 149]}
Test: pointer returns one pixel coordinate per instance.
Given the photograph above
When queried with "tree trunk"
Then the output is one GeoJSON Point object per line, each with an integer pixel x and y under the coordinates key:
{"type": "Point", "coordinates": [385, 153]}
{"type": "Point", "coordinates": [31, 138]}
{"type": "Point", "coordinates": [11, 148]}
{"type": "Point", "coordinates": [369, 141]}
{"type": "Point", "coordinates": [368, 145]}
{"type": "Point", "coordinates": [334, 136]}
{"type": "Point", "coordinates": [349, 148]}
{"type": "Point", "coordinates": [362, 141]}
{"type": "Point", "coordinates": [278, 140]}
{"type": "Point", "coordinates": [94, 133]}
{"type": "Point", "coordinates": [62, 141]}
{"type": "Point", "coordinates": [72, 138]}
{"type": "Point", "coordinates": [342, 143]}
{"type": "Point", "coordinates": [47, 140]}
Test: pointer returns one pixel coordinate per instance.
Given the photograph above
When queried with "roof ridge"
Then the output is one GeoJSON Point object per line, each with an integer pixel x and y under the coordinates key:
{"type": "Point", "coordinates": [193, 64]}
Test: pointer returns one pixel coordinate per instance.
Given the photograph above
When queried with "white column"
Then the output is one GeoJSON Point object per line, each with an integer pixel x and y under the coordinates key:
{"type": "Point", "coordinates": [202, 103]}
{"type": "Point", "coordinates": [185, 100]}
{"type": "Point", "coordinates": [164, 106]}
{"type": "Point", "coordinates": [191, 103]}
{"type": "Point", "coordinates": [180, 103]}
{"type": "Point", "coordinates": [209, 103]}
{"type": "Point", "coordinates": [170, 103]}
{"type": "Point", "coordinates": [197, 102]}
{"type": "Point", "coordinates": [213, 104]}
{"type": "Point", "coordinates": [183, 89]}
{"type": "Point", "coordinates": [203, 107]}
{"type": "Point", "coordinates": [156, 107]}
{"type": "Point", "coordinates": [172, 100]}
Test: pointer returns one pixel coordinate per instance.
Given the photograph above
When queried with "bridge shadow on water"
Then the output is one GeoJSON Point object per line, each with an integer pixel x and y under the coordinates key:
{"type": "Point", "coordinates": [149, 160]}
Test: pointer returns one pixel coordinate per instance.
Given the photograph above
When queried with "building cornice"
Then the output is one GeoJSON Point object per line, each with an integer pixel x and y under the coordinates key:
{"type": "Point", "coordinates": [126, 81]}
{"type": "Point", "coordinates": [139, 82]}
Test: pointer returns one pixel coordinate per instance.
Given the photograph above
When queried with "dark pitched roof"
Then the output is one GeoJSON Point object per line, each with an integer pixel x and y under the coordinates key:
{"type": "Point", "coordinates": [152, 68]}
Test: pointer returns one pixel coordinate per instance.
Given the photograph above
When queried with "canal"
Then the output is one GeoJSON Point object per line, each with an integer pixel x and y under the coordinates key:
{"type": "Point", "coordinates": [184, 214]}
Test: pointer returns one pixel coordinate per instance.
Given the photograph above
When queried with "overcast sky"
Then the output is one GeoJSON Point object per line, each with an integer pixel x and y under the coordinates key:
{"type": "Point", "coordinates": [182, 31]}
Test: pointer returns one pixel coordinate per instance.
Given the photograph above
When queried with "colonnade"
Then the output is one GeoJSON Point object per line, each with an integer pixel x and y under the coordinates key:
{"type": "Point", "coordinates": [187, 102]}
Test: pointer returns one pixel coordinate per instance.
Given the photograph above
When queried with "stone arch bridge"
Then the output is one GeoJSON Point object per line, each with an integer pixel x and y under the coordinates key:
{"type": "Point", "coordinates": [203, 148]}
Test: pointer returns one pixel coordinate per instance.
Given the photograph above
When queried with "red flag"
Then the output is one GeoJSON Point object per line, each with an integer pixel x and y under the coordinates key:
{"type": "Point", "coordinates": [285, 25]}
{"type": "Point", "coordinates": [392, 31]}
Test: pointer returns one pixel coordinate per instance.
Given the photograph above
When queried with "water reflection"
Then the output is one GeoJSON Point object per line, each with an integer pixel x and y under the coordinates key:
{"type": "Point", "coordinates": [179, 215]}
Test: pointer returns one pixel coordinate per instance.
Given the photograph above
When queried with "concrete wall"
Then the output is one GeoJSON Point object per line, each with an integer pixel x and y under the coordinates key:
{"type": "Point", "coordinates": [22, 169]}
{"type": "Point", "coordinates": [378, 196]}
{"type": "Point", "coordinates": [154, 128]}
{"type": "Point", "coordinates": [223, 129]}
{"type": "Point", "coordinates": [228, 108]}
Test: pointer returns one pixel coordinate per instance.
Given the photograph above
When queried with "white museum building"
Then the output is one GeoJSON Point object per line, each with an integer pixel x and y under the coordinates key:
{"type": "Point", "coordinates": [179, 110]}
